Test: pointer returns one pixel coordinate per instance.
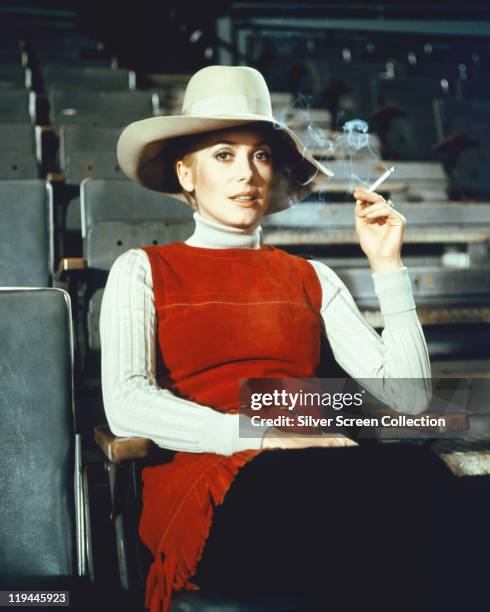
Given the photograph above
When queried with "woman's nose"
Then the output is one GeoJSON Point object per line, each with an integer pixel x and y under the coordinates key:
{"type": "Point", "coordinates": [245, 169]}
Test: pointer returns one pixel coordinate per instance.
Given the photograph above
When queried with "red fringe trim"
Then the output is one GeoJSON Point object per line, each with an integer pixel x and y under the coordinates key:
{"type": "Point", "coordinates": [200, 482]}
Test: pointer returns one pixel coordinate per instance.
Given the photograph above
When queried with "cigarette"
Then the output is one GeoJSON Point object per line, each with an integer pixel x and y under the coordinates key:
{"type": "Point", "coordinates": [380, 180]}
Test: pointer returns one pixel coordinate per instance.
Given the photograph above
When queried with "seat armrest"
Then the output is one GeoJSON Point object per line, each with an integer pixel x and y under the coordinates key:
{"type": "Point", "coordinates": [121, 449]}
{"type": "Point", "coordinates": [55, 177]}
{"type": "Point", "coordinates": [70, 265]}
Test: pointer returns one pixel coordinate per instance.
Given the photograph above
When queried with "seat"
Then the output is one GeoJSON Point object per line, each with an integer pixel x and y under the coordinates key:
{"type": "Point", "coordinates": [14, 76]}
{"type": "Point", "coordinates": [88, 152]}
{"type": "Point", "coordinates": [60, 39]}
{"type": "Point", "coordinates": [98, 79]}
{"type": "Point", "coordinates": [463, 146]}
{"type": "Point", "coordinates": [42, 533]}
{"type": "Point", "coordinates": [15, 106]}
{"type": "Point", "coordinates": [447, 68]}
{"type": "Point", "coordinates": [26, 234]}
{"type": "Point", "coordinates": [125, 458]}
{"type": "Point", "coordinates": [17, 151]}
{"type": "Point", "coordinates": [473, 90]}
{"type": "Point", "coordinates": [118, 215]}
{"type": "Point", "coordinates": [101, 109]}
{"type": "Point", "coordinates": [89, 125]}
{"type": "Point", "coordinates": [340, 86]}
{"type": "Point", "coordinates": [403, 115]}
{"type": "Point", "coordinates": [346, 88]}
{"type": "Point", "coordinates": [87, 55]}
{"type": "Point", "coordinates": [11, 54]}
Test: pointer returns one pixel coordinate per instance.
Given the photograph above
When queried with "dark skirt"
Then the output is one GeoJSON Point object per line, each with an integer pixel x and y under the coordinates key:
{"type": "Point", "coordinates": [373, 526]}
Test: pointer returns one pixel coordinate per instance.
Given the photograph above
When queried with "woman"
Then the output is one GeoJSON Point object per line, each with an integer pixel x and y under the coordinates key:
{"type": "Point", "coordinates": [182, 323]}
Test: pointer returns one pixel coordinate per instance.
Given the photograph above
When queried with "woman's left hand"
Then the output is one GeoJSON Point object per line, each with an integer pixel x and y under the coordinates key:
{"type": "Point", "coordinates": [380, 230]}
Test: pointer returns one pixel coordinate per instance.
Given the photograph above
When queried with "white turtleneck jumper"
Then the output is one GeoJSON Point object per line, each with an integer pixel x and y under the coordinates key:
{"type": "Point", "coordinates": [136, 406]}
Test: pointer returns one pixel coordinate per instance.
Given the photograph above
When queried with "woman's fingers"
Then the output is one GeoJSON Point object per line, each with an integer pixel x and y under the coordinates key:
{"type": "Point", "coordinates": [380, 213]}
{"type": "Point", "coordinates": [367, 212]}
{"type": "Point", "coordinates": [377, 210]}
{"type": "Point", "coordinates": [383, 212]}
{"type": "Point", "coordinates": [369, 197]}
{"type": "Point", "coordinates": [378, 206]}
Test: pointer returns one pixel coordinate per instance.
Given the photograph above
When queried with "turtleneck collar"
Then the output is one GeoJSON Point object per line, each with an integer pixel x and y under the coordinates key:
{"type": "Point", "coordinates": [213, 235]}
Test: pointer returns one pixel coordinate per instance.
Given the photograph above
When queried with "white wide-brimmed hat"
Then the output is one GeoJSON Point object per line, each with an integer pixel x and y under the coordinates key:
{"type": "Point", "coordinates": [217, 97]}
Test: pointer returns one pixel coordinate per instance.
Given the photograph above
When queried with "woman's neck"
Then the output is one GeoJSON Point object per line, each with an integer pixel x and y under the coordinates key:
{"type": "Point", "coordinates": [213, 235]}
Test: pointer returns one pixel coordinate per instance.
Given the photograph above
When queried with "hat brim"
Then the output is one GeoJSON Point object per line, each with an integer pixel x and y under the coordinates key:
{"type": "Point", "coordinates": [142, 144]}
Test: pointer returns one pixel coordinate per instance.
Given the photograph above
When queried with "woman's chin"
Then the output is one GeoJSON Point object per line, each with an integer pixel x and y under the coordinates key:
{"type": "Point", "coordinates": [234, 215]}
{"type": "Point", "coordinates": [246, 217]}
{"type": "Point", "coordinates": [243, 216]}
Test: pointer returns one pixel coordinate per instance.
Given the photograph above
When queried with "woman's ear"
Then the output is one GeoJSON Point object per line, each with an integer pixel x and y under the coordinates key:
{"type": "Point", "coordinates": [185, 175]}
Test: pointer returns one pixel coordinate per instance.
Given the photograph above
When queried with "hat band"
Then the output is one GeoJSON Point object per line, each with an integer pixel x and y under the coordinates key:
{"type": "Point", "coordinates": [230, 105]}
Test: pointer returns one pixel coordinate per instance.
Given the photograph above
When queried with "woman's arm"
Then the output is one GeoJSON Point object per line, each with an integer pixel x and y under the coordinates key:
{"type": "Point", "coordinates": [399, 359]}
{"type": "Point", "coordinates": [134, 404]}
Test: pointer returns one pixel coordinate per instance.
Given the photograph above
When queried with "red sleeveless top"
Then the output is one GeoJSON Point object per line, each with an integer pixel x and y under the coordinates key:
{"type": "Point", "coordinates": [222, 315]}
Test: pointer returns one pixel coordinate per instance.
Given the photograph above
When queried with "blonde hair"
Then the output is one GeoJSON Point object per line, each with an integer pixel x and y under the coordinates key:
{"type": "Point", "coordinates": [185, 149]}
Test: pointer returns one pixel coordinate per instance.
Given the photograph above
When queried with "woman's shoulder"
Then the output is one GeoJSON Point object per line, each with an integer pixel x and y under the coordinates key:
{"type": "Point", "coordinates": [326, 273]}
{"type": "Point", "coordinates": [131, 257]}
{"type": "Point", "coordinates": [132, 266]}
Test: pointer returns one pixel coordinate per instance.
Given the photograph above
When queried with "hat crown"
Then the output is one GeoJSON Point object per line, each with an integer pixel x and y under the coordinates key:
{"type": "Point", "coordinates": [221, 90]}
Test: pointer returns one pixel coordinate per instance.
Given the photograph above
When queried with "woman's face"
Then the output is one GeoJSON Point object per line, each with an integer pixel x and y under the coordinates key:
{"type": "Point", "coordinates": [228, 163]}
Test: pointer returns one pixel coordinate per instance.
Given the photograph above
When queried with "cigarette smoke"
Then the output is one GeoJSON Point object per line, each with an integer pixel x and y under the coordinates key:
{"type": "Point", "coordinates": [348, 146]}
{"type": "Point", "coordinates": [354, 138]}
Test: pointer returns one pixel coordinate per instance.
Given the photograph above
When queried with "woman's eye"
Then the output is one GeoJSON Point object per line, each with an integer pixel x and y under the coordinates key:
{"type": "Point", "coordinates": [262, 155]}
{"type": "Point", "coordinates": [265, 156]}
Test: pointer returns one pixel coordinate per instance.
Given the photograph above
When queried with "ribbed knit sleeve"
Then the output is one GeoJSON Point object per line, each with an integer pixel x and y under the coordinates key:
{"type": "Point", "coordinates": [395, 366]}
{"type": "Point", "coordinates": [133, 402]}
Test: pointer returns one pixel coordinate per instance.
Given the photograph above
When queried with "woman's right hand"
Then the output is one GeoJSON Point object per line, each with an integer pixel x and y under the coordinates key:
{"type": "Point", "coordinates": [276, 438]}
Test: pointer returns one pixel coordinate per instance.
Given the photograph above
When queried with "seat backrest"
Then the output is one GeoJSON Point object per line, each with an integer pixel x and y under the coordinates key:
{"type": "Point", "coordinates": [13, 75]}
{"type": "Point", "coordinates": [336, 83]}
{"type": "Point", "coordinates": [26, 234]}
{"type": "Point", "coordinates": [410, 133]}
{"type": "Point", "coordinates": [405, 91]}
{"type": "Point", "coordinates": [118, 108]}
{"type": "Point", "coordinates": [474, 90]}
{"type": "Point", "coordinates": [339, 69]}
{"type": "Point", "coordinates": [464, 132]}
{"type": "Point", "coordinates": [37, 508]}
{"type": "Point", "coordinates": [14, 106]}
{"type": "Point", "coordinates": [17, 151]}
{"type": "Point", "coordinates": [88, 152]}
{"type": "Point", "coordinates": [468, 117]}
{"type": "Point", "coordinates": [99, 79]}
{"type": "Point", "coordinates": [17, 139]}
{"type": "Point", "coordinates": [69, 56]}
{"type": "Point", "coordinates": [119, 215]}
{"type": "Point", "coordinates": [10, 54]}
